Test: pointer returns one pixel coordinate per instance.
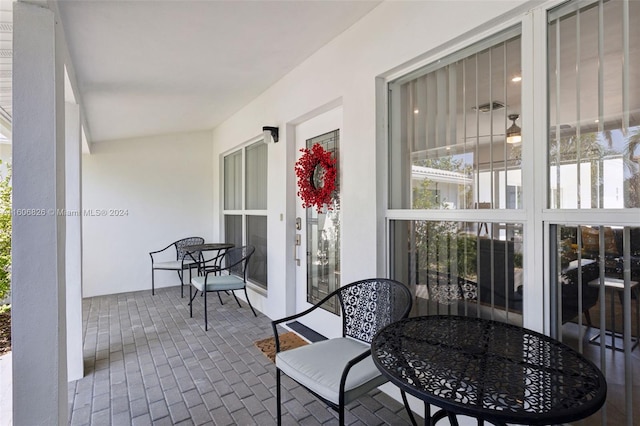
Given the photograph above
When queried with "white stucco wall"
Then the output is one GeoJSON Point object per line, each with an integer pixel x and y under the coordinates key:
{"type": "Point", "coordinates": [164, 185]}
{"type": "Point", "coordinates": [343, 72]}
{"type": "Point", "coordinates": [38, 324]}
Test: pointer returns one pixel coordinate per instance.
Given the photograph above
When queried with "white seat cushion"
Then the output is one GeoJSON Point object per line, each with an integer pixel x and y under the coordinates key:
{"type": "Point", "coordinates": [218, 282]}
{"type": "Point", "coordinates": [173, 264]}
{"type": "Point", "coordinates": [319, 367]}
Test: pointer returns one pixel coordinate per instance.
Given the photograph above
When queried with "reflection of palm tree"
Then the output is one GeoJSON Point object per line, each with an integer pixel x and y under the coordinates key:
{"type": "Point", "coordinates": [593, 148]}
{"type": "Point", "coordinates": [587, 146]}
{"type": "Point", "coordinates": [631, 158]}
{"type": "Point", "coordinates": [608, 137]}
{"type": "Point", "coordinates": [580, 149]}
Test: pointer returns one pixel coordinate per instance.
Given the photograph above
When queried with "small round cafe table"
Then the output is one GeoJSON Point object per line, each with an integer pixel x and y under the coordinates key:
{"type": "Point", "coordinates": [489, 370]}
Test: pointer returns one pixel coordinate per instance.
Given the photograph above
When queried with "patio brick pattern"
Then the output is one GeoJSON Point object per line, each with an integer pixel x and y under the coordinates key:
{"type": "Point", "coordinates": [147, 363]}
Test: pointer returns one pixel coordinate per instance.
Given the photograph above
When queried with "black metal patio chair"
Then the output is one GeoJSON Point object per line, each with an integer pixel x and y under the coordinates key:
{"type": "Point", "coordinates": [340, 370]}
{"type": "Point", "coordinates": [224, 275]}
{"type": "Point", "coordinates": [185, 260]}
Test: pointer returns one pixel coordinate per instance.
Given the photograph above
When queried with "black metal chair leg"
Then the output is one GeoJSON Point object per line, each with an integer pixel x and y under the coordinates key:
{"type": "Point", "coordinates": [191, 296]}
{"type": "Point", "coordinates": [153, 284]}
{"type": "Point", "coordinates": [206, 324]}
{"type": "Point", "coordinates": [236, 297]}
{"type": "Point", "coordinates": [220, 298]}
{"type": "Point", "coordinates": [249, 302]}
{"type": "Point", "coordinates": [278, 406]}
{"type": "Point", "coordinates": [181, 284]}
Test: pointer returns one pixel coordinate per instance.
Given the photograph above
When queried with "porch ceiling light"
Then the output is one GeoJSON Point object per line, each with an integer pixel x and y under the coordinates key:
{"type": "Point", "coordinates": [514, 134]}
{"type": "Point", "coordinates": [270, 133]}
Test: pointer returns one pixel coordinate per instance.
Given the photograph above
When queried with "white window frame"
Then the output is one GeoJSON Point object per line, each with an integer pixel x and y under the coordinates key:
{"type": "Point", "coordinates": [535, 214]}
{"type": "Point", "coordinates": [243, 212]}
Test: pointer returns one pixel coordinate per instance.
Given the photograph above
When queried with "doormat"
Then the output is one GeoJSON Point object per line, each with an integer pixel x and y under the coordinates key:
{"type": "Point", "coordinates": [289, 340]}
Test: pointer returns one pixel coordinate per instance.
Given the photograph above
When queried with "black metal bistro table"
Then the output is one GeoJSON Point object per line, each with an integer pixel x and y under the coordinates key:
{"type": "Point", "coordinates": [209, 247]}
{"type": "Point", "coordinates": [492, 371]}
{"type": "Point", "coordinates": [200, 248]}
{"type": "Point", "coordinates": [199, 258]}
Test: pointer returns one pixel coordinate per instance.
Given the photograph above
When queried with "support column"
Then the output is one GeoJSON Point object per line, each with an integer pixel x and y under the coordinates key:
{"type": "Point", "coordinates": [38, 273]}
{"type": "Point", "coordinates": [73, 254]}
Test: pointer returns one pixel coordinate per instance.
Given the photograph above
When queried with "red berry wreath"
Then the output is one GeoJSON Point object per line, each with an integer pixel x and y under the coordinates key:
{"type": "Point", "coordinates": [316, 172]}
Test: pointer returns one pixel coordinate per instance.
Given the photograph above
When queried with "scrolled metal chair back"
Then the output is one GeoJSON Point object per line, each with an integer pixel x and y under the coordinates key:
{"type": "Point", "coordinates": [186, 242]}
{"type": "Point", "coordinates": [237, 259]}
{"type": "Point", "coordinates": [369, 305]}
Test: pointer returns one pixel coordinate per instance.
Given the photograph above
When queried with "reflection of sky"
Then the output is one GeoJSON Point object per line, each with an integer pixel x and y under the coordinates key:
{"type": "Point", "coordinates": [619, 142]}
{"type": "Point", "coordinates": [466, 158]}
{"type": "Point", "coordinates": [619, 145]}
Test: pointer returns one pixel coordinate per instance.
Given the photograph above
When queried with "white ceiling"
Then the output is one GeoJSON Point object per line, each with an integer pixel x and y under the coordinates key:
{"type": "Point", "coordinates": [157, 67]}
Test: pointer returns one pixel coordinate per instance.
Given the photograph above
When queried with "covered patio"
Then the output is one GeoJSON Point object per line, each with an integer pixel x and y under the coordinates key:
{"type": "Point", "coordinates": [146, 362]}
{"type": "Point", "coordinates": [140, 123]}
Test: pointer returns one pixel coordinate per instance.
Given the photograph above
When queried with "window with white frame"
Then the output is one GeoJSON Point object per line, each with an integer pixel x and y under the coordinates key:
{"type": "Point", "coordinates": [461, 197]}
{"type": "Point", "coordinates": [594, 106]}
{"type": "Point", "coordinates": [593, 168]}
{"type": "Point", "coordinates": [450, 124]}
{"type": "Point", "coordinates": [453, 149]}
{"type": "Point", "coordinates": [245, 205]}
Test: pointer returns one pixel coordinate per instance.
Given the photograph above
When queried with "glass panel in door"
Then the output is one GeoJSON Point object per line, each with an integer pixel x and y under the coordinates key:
{"type": "Point", "coordinates": [323, 236]}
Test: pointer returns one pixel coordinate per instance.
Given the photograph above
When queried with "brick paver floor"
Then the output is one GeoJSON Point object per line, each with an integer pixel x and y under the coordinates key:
{"type": "Point", "coordinates": [147, 362]}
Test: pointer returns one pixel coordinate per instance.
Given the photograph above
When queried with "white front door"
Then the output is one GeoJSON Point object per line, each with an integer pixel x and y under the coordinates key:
{"type": "Point", "coordinates": [318, 252]}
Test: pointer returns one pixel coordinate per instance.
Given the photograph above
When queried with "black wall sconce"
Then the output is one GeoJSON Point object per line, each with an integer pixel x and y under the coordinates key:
{"type": "Point", "coordinates": [271, 132]}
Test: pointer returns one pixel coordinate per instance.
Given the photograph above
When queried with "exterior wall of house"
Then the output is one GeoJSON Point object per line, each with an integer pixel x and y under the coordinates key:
{"type": "Point", "coordinates": [155, 190]}
{"type": "Point", "coordinates": [343, 73]}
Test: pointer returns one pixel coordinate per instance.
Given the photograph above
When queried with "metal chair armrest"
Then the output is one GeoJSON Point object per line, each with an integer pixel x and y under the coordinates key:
{"type": "Point", "coordinates": [274, 323]}
{"type": "Point", "coordinates": [160, 251]}
{"type": "Point", "coordinates": [215, 259]}
{"type": "Point", "coordinates": [211, 270]}
{"type": "Point", "coordinates": [314, 307]}
{"type": "Point", "coordinates": [348, 367]}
